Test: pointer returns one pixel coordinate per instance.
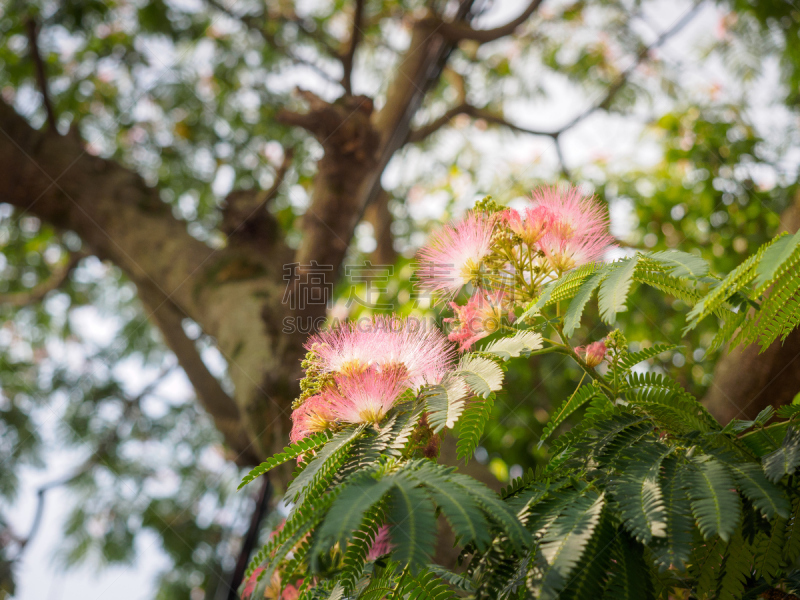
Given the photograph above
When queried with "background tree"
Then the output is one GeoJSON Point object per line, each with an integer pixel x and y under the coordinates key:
{"type": "Point", "coordinates": [161, 168]}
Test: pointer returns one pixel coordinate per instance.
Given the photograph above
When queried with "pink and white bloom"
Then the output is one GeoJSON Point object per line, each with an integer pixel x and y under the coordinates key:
{"type": "Point", "coordinates": [385, 341]}
{"type": "Point", "coordinates": [382, 544]}
{"type": "Point", "coordinates": [454, 254]}
{"type": "Point", "coordinates": [312, 416]}
{"type": "Point", "coordinates": [530, 224]}
{"type": "Point", "coordinates": [481, 316]}
{"type": "Point", "coordinates": [578, 233]}
{"type": "Point", "coordinates": [366, 396]}
{"type": "Point", "coordinates": [593, 354]}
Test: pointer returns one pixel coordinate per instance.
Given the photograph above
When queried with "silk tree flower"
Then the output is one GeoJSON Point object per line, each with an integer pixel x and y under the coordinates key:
{"type": "Point", "coordinates": [530, 225]}
{"type": "Point", "coordinates": [454, 254]}
{"type": "Point", "coordinates": [385, 341]}
{"type": "Point", "coordinates": [593, 354]}
{"type": "Point", "coordinates": [366, 396]}
{"type": "Point", "coordinates": [381, 545]}
{"type": "Point", "coordinates": [481, 316]}
{"type": "Point", "coordinates": [578, 232]}
{"type": "Point", "coordinates": [312, 416]}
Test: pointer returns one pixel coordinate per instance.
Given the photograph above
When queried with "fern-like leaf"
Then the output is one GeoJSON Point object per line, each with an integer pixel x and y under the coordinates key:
{"type": "Point", "coordinates": [680, 264]}
{"type": "Point", "coordinates": [565, 541]}
{"type": "Point", "coordinates": [614, 289]}
{"type": "Point", "coordinates": [631, 359]}
{"type": "Point", "coordinates": [776, 260]}
{"type": "Point", "coordinates": [482, 375]}
{"type": "Point", "coordinates": [769, 550]}
{"type": "Point", "coordinates": [765, 496]}
{"type": "Point", "coordinates": [292, 451]}
{"type": "Point", "coordinates": [630, 579]}
{"type": "Point", "coordinates": [715, 504]}
{"type": "Point", "coordinates": [327, 460]}
{"type": "Point", "coordinates": [513, 346]}
{"type": "Point", "coordinates": [412, 525]}
{"type": "Point", "coordinates": [580, 397]}
{"type": "Point", "coordinates": [638, 493]}
{"type": "Point", "coordinates": [572, 318]}
{"type": "Point", "coordinates": [784, 460]}
{"type": "Point", "coordinates": [674, 549]}
{"type": "Point", "coordinates": [472, 425]}
{"type": "Point", "coordinates": [445, 403]}
{"type": "Point", "coordinates": [736, 569]}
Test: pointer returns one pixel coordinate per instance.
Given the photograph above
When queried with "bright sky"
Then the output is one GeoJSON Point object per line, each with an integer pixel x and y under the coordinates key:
{"type": "Point", "coordinates": [39, 577]}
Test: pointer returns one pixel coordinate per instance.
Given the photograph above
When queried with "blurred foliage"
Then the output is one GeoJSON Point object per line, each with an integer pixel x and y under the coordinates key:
{"type": "Point", "coordinates": [187, 96]}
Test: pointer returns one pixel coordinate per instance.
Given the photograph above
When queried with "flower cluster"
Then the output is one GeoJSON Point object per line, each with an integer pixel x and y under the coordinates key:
{"type": "Point", "coordinates": [364, 367]}
{"type": "Point", "coordinates": [507, 255]}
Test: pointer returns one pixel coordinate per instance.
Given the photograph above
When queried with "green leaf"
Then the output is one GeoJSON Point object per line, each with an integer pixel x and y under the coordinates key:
{"type": "Point", "coordinates": [482, 375]}
{"type": "Point", "coordinates": [774, 257]}
{"type": "Point", "coordinates": [461, 510]}
{"type": "Point", "coordinates": [425, 585]}
{"type": "Point", "coordinates": [765, 496]}
{"type": "Point", "coordinates": [638, 493]}
{"type": "Point", "coordinates": [768, 548]}
{"type": "Point", "coordinates": [347, 512]}
{"type": "Point", "coordinates": [472, 425]}
{"type": "Point", "coordinates": [630, 579]}
{"type": "Point", "coordinates": [572, 318]}
{"type": "Point", "coordinates": [715, 504]}
{"type": "Point", "coordinates": [674, 549]}
{"type": "Point", "coordinates": [631, 359]}
{"type": "Point", "coordinates": [292, 451]}
{"type": "Point", "coordinates": [680, 264]}
{"type": "Point", "coordinates": [333, 450]}
{"type": "Point", "coordinates": [498, 510]}
{"type": "Point", "coordinates": [614, 290]}
{"type": "Point", "coordinates": [565, 541]}
{"type": "Point", "coordinates": [513, 346]}
{"type": "Point", "coordinates": [445, 403]}
{"type": "Point", "coordinates": [784, 460]}
{"type": "Point", "coordinates": [580, 397]}
{"type": "Point", "coordinates": [413, 525]}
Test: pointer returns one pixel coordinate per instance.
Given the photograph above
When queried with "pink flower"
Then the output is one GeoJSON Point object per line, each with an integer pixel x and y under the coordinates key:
{"type": "Point", "coordinates": [381, 545]}
{"type": "Point", "coordinates": [593, 354]}
{"type": "Point", "coordinates": [481, 316]}
{"type": "Point", "coordinates": [250, 586]}
{"type": "Point", "coordinates": [578, 232]}
{"type": "Point", "coordinates": [385, 341]}
{"type": "Point", "coordinates": [531, 225]}
{"type": "Point", "coordinates": [366, 396]}
{"type": "Point", "coordinates": [312, 416]}
{"type": "Point", "coordinates": [454, 254]}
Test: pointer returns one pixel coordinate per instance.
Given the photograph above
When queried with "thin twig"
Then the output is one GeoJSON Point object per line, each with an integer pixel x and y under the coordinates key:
{"type": "Point", "coordinates": [455, 32]}
{"type": "Point", "coordinates": [37, 293]}
{"type": "Point", "coordinates": [41, 74]}
{"type": "Point", "coordinates": [90, 462]}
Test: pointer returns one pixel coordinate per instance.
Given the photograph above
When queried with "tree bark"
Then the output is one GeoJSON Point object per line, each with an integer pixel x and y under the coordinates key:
{"type": "Point", "coordinates": [745, 382]}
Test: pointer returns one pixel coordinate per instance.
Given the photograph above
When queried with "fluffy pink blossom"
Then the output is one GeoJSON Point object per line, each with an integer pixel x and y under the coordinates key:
{"type": "Point", "coordinates": [593, 354]}
{"type": "Point", "coordinates": [481, 316]}
{"type": "Point", "coordinates": [313, 415]}
{"type": "Point", "coordinates": [531, 224]}
{"type": "Point", "coordinates": [578, 232]}
{"type": "Point", "coordinates": [366, 396]}
{"type": "Point", "coordinates": [381, 545]}
{"type": "Point", "coordinates": [385, 341]}
{"type": "Point", "coordinates": [453, 256]}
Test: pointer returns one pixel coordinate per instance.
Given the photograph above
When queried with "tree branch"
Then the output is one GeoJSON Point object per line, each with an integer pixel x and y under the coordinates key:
{"type": "Point", "coordinates": [355, 38]}
{"type": "Point", "coordinates": [38, 292]}
{"type": "Point", "coordinates": [622, 79]}
{"type": "Point", "coordinates": [458, 31]}
{"type": "Point", "coordinates": [257, 25]}
{"type": "Point", "coordinates": [216, 402]}
{"type": "Point", "coordinates": [95, 458]}
{"type": "Point", "coordinates": [41, 75]}
{"type": "Point", "coordinates": [423, 132]}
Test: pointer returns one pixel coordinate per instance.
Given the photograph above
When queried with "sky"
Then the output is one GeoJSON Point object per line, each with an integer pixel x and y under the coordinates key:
{"type": "Point", "coordinates": [39, 576]}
